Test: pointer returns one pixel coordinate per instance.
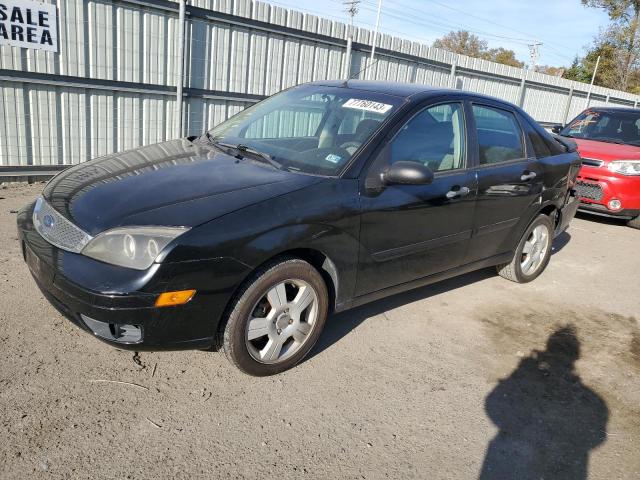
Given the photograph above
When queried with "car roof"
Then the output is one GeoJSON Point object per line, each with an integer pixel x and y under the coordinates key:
{"type": "Point", "coordinates": [403, 90]}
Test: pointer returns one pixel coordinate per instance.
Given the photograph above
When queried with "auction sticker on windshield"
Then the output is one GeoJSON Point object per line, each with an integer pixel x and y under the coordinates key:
{"type": "Point", "coordinates": [367, 105]}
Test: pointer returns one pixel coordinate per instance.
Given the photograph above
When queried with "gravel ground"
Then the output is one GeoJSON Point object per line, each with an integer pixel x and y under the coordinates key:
{"type": "Point", "coordinates": [473, 377]}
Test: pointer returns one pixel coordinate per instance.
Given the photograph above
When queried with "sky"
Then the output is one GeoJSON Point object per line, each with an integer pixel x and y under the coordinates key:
{"type": "Point", "coordinates": [564, 27]}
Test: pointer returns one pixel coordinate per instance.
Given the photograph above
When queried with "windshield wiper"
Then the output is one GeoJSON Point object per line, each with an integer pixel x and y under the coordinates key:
{"type": "Point", "coordinates": [244, 149]}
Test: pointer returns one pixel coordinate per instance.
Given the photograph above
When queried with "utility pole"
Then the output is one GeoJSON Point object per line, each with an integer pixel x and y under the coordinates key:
{"type": "Point", "coordinates": [352, 8]}
{"type": "Point", "coordinates": [534, 55]}
{"type": "Point", "coordinates": [375, 38]}
{"type": "Point", "coordinates": [593, 77]}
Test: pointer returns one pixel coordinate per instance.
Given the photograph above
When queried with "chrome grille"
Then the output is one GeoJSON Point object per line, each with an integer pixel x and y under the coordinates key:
{"type": "Point", "coordinates": [57, 230]}
{"type": "Point", "coordinates": [592, 191]}
{"type": "Point", "coordinates": [591, 162]}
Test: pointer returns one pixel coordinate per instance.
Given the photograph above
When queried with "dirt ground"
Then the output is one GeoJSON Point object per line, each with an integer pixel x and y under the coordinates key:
{"type": "Point", "coordinates": [475, 377]}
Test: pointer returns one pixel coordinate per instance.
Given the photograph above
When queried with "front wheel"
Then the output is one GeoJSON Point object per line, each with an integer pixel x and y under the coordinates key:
{"type": "Point", "coordinates": [533, 252]}
{"type": "Point", "coordinates": [276, 318]}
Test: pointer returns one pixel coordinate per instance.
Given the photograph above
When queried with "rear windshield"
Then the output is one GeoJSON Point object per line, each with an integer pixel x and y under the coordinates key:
{"type": "Point", "coordinates": [603, 126]}
{"type": "Point", "coordinates": [310, 129]}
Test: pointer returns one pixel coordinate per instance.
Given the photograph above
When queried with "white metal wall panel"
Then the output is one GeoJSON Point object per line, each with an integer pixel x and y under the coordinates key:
{"type": "Point", "coordinates": [13, 126]}
{"type": "Point", "coordinates": [121, 41]}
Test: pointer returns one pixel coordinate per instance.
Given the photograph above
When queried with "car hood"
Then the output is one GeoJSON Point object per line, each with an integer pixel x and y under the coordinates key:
{"type": "Point", "coordinates": [175, 183]}
{"type": "Point", "coordinates": [606, 151]}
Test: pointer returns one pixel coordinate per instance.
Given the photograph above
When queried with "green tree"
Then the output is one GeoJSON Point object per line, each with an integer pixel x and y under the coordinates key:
{"type": "Point", "coordinates": [504, 56]}
{"type": "Point", "coordinates": [466, 43]}
{"type": "Point", "coordinates": [462, 42]}
{"type": "Point", "coordinates": [623, 35]}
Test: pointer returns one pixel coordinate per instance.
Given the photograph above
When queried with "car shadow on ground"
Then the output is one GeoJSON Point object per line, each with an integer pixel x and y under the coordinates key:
{"type": "Point", "coordinates": [548, 420]}
{"type": "Point", "coordinates": [341, 324]}
{"type": "Point", "coordinates": [601, 219]}
{"type": "Point", "coordinates": [560, 242]}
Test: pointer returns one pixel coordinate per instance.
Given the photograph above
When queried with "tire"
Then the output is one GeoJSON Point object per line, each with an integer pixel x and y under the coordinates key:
{"type": "Point", "coordinates": [284, 329]}
{"type": "Point", "coordinates": [539, 252]}
{"type": "Point", "coordinates": [634, 222]}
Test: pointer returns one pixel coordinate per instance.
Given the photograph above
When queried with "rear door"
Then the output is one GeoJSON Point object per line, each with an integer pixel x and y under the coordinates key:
{"type": "Point", "coordinates": [509, 178]}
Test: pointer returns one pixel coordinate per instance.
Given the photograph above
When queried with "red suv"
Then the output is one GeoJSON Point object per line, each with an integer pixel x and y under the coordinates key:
{"type": "Point", "coordinates": [609, 143]}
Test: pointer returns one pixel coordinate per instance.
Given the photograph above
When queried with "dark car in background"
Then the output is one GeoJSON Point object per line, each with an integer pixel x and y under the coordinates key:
{"type": "Point", "coordinates": [608, 140]}
{"type": "Point", "coordinates": [321, 198]}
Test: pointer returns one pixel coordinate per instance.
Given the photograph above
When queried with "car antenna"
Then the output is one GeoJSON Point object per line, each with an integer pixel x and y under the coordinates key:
{"type": "Point", "coordinates": [345, 83]}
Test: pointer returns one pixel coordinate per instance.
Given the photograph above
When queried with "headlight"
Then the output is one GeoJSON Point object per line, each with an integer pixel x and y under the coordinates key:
{"type": "Point", "coordinates": [625, 167]}
{"type": "Point", "coordinates": [132, 247]}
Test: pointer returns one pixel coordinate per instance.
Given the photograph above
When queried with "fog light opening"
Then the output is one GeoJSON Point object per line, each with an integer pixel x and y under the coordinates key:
{"type": "Point", "coordinates": [116, 332]}
{"type": "Point", "coordinates": [614, 204]}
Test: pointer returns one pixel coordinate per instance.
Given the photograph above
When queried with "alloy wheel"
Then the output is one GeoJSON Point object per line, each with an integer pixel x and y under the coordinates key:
{"type": "Point", "coordinates": [281, 321]}
{"type": "Point", "coordinates": [535, 250]}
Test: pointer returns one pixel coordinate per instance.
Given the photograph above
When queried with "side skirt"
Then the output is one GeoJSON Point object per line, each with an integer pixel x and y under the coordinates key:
{"type": "Point", "coordinates": [421, 282]}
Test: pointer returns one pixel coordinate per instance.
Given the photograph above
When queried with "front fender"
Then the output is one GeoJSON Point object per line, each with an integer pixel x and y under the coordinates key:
{"type": "Point", "coordinates": [339, 247]}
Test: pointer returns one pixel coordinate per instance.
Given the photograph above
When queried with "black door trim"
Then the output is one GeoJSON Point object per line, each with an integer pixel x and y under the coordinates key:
{"type": "Point", "coordinates": [397, 252]}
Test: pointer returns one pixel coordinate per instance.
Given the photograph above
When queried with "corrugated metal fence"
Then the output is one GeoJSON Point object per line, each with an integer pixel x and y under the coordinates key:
{"type": "Point", "coordinates": [112, 85]}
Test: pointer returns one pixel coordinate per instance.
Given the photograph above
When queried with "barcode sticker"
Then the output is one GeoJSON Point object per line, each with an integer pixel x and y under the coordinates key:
{"type": "Point", "coordinates": [367, 105]}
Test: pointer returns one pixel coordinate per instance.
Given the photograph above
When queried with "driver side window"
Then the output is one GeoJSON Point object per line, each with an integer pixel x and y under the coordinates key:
{"type": "Point", "coordinates": [434, 137]}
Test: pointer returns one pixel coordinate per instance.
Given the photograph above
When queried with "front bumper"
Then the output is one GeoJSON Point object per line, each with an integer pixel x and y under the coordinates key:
{"type": "Point", "coordinates": [601, 210]}
{"type": "Point", "coordinates": [597, 186]}
{"type": "Point", "coordinates": [112, 302]}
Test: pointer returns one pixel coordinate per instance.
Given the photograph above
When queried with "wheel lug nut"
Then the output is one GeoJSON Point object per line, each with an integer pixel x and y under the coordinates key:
{"type": "Point", "coordinates": [290, 321]}
{"type": "Point", "coordinates": [279, 331]}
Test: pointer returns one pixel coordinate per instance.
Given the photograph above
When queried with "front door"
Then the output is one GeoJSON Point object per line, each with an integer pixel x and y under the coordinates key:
{"type": "Point", "coordinates": [413, 231]}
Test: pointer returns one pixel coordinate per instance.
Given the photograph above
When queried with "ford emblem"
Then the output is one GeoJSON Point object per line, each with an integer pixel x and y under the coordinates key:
{"type": "Point", "coordinates": [48, 221]}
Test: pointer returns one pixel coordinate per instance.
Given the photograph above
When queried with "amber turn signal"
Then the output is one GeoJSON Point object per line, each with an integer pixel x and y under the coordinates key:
{"type": "Point", "coordinates": [170, 299]}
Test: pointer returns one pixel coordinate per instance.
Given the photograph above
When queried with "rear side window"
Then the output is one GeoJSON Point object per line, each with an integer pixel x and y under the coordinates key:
{"type": "Point", "coordinates": [499, 135]}
{"type": "Point", "coordinates": [543, 143]}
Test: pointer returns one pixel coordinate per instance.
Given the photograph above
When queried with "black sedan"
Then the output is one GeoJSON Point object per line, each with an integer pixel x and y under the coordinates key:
{"type": "Point", "coordinates": [318, 199]}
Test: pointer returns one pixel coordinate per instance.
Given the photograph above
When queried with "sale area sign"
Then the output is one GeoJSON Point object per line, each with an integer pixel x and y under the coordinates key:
{"type": "Point", "coordinates": [28, 24]}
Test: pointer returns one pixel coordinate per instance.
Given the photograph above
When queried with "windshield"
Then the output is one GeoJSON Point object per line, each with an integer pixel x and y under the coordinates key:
{"type": "Point", "coordinates": [603, 126]}
{"type": "Point", "coordinates": [309, 129]}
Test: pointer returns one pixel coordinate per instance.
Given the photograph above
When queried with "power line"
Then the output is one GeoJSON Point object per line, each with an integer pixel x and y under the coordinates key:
{"type": "Point", "coordinates": [409, 15]}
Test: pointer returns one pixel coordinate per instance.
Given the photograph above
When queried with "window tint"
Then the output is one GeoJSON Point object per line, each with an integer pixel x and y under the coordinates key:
{"type": "Point", "coordinates": [544, 145]}
{"type": "Point", "coordinates": [499, 135]}
{"type": "Point", "coordinates": [434, 137]}
{"type": "Point", "coordinates": [540, 147]}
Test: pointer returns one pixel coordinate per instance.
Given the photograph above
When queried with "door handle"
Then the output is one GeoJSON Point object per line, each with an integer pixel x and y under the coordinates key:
{"type": "Point", "coordinates": [526, 176]}
{"type": "Point", "coordinates": [456, 192]}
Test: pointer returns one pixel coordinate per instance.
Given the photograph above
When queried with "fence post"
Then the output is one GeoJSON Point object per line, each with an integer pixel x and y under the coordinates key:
{"type": "Point", "coordinates": [567, 107]}
{"type": "Point", "coordinates": [180, 82]}
{"type": "Point", "coordinates": [346, 68]}
{"type": "Point", "coordinates": [452, 75]}
{"type": "Point", "coordinates": [523, 89]}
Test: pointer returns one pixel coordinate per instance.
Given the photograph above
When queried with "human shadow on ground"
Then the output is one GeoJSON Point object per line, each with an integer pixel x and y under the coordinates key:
{"type": "Point", "coordinates": [548, 419]}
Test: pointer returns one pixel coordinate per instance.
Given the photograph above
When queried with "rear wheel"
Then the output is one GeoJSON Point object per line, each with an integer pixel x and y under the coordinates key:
{"type": "Point", "coordinates": [277, 318]}
{"type": "Point", "coordinates": [533, 252]}
{"type": "Point", "coordinates": [634, 222]}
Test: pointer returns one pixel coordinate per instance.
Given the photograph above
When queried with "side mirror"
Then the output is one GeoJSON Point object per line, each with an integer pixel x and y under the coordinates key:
{"type": "Point", "coordinates": [407, 173]}
{"type": "Point", "coordinates": [557, 129]}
